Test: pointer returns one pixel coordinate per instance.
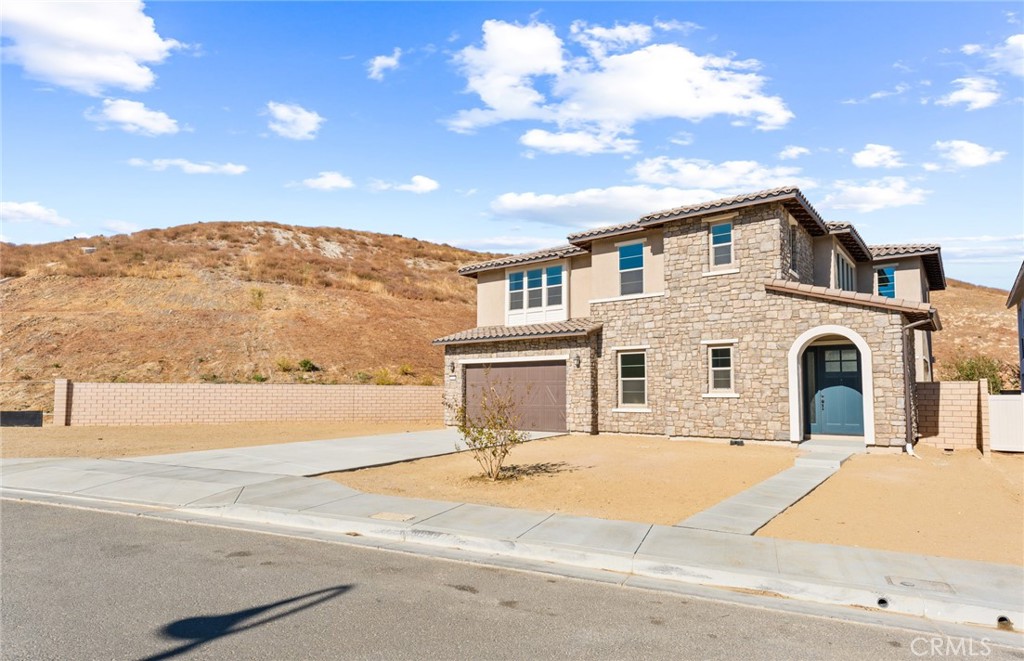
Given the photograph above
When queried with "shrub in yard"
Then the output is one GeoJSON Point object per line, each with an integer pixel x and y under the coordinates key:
{"type": "Point", "coordinates": [491, 433]}
{"type": "Point", "coordinates": [307, 365]}
{"type": "Point", "coordinates": [976, 368]}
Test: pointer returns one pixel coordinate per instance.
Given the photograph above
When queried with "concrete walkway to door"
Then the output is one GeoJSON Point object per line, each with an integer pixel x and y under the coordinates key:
{"type": "Point", "coordinates": [750, 510]}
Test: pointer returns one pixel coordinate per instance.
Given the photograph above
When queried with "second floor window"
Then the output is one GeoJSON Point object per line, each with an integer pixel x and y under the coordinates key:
{"type": "Point", "coordinates": [845, 274]}
{"type": "Point", "coordinates": [631, 269]}
{"type": "Point", "coordinates": [885, 281]}
{"type": "Point", "coordinates": [554, 277]}
{"type": "Point", "coordinates": [535, 288]}
{"type": "Point", "coordinates": [721, 245]}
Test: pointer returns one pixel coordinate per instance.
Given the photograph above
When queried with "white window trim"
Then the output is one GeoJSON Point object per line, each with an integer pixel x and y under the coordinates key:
{"type": "Point", "coordinates": [720, 272]}
{"type": "Point", "coordinates": [563, 307]}
{"type": "Point", "coordinates": [853, 269]}
{"type": "Point", "coordinates": [618, 369]}
{"type": "Point", "coordinates": [874, 277]}
{"type": "Point", "coordinates": [733, 264]}
{"type": "Point", "coordinates": [720, 342]}
{"type": "Point", "coordinates": [711, 390]}
{"type": "Point", "coordinates": [631, 349]}
{"type": "Point", "coordinates": [632, 410]}
{"type": "Point", "coordinates": [627, 297]}
{"type": "Point", "coordinates": [720, 395]}
{"type": "Point", "coordinates": [642, 269]}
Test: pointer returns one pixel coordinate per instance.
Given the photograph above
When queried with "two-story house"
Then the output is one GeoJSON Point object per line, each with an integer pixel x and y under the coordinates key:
{"type": "Point", "coordinates": [743, 318]}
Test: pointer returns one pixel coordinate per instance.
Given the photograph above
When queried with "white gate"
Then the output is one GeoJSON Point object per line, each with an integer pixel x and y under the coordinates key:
{"type": "Point", "coordinates": [1006, 422]}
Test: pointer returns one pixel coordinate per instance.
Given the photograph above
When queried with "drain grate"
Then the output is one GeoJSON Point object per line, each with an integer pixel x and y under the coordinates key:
{"type": "Point", "coordinates": [919, 584]}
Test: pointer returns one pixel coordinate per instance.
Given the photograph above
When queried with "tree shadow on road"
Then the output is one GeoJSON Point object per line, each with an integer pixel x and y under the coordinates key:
{"type": "Point", "coordinates": [204, 629]}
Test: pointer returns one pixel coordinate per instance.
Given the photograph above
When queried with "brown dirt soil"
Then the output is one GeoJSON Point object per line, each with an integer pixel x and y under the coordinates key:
{"type": "Point", "coordinates": [169, 439]}
{"type": "Point", "coordinates": [959, 505]}
{"type": "Point", "coordinates": [630, 478]}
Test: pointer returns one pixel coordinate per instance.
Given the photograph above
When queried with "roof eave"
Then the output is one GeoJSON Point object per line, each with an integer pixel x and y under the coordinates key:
{"type": "Point", "coordinates": [1017, 290]}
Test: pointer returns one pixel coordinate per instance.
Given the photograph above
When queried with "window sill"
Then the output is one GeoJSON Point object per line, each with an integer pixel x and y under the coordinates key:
{"type": "Point", "coordinates": [720, 272]}
{"type": "Point", "coordinates": [794, 274]}
{"type": "Point", "coordinates": [628, 297]}
{"type": "Point", "coordinates": [720, 395]}
{"type": "Point", "coordinates": [631, 410]}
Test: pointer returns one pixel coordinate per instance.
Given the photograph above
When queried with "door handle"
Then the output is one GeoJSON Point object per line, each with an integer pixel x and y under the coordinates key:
{"type": "Point", "coordinates": [822, 400]}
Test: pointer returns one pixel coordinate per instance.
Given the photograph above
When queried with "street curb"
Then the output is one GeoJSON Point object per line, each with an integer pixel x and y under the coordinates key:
{"type": "Point", "coordinates": [897, 600]}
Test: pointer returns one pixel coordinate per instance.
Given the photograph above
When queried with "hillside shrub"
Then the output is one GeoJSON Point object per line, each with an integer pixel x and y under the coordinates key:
{"type": "Point", "coordinates": [976, 368]}
{"type": "Point", "coordinates": [382, 377]}
{"type": "Point", "coordinates": [307, 365]}
{"type": "Point", "coordinates": [285, 365]}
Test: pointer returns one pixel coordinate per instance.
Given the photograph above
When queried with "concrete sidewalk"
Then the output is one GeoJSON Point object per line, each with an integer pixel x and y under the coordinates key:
{"type": "Point", "coordinates": [941, 589]}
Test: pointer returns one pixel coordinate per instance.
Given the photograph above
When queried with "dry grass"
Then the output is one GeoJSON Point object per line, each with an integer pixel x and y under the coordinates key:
{"type": "Point", "coordinates": [115, 442]}
{"type": "Point", "coordinates": [630, 478]}
{"type": "Point", "coordinates": [959, 505]}
{"type": "Point", "coordinates": [225, 302]}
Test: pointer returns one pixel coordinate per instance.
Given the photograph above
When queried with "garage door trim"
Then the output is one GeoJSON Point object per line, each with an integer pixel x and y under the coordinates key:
{"type": "Point", "coordinates": [518, 359]}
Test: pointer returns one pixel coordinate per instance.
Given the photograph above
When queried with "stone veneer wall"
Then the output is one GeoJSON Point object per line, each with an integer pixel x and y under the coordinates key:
{"type": "Point", "coordinates": [580, 413]}
{"type": "Point", "coordinates": [201, 403]}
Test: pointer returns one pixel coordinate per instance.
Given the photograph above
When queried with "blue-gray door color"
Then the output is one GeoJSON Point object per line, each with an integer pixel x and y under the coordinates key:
{"type": "Point", "coordinates": [834, 394]}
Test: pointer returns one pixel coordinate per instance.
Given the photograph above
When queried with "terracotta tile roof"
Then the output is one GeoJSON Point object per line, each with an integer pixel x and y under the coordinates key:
{"type": "Point", "coordinates": [525, 258]}
{"type": "Point", "coordinates": [851, 240]}
{"type": "Point", "coordinates": [914, 311]}
{"type": "Point", "coordinates": [790, 196]}
{"type": "Point", "coordinates": [571, 328]}
{"type": "Point", "coordinates": [930, 254]}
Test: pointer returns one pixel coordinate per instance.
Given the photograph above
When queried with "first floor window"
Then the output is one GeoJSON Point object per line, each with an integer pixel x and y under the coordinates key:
{"type": "Point", "coordinates": [633, 379]}
{"type": "Point", "coordinates": [720, 372]}
{"type": "Point", "coordinates": [885, 281]}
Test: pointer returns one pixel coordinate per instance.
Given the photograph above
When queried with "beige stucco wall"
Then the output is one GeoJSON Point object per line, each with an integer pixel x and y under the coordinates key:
{"type": "Point", "coordinates": [605, 264]}
{"type": "Point", "coordinates": [823, 261]}
{"type": "Point", "coordinates": [490, 298]}
{"type": "Point", "coordinates": [579, 286]}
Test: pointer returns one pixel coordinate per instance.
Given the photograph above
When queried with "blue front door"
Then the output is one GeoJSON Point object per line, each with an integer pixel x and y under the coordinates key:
{"type": "Point", "coordinates": [834, 395]}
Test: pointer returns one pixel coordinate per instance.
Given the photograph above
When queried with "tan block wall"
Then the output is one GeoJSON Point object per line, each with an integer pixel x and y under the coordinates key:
{"type": "Point", "coordinates": [953, 414]}
{"type": "Point", "coordinates": [208, 403]}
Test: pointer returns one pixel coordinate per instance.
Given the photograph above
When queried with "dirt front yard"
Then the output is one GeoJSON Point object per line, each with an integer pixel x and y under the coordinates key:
{"type": "Point", "coordinates": [169, 439]}
{"type": "Point", "coordinates": [629, 478]}
{"type": "Point", "coordinates": [959, 505]}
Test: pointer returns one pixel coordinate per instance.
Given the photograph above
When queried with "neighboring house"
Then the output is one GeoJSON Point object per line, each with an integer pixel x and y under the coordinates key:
{"type": "Point", "coordinates": [742, 318]}
{"type": "Point", "coordinates": [1017, 298]}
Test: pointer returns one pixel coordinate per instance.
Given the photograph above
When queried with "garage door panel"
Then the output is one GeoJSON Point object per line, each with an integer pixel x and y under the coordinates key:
{"type": "Point", "coordinates": [538, 387]}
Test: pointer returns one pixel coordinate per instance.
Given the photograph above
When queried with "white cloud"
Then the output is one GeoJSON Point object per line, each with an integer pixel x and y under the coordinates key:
{"type": "Point", "coordinates": [31, 212]}
{"type": "Point", "coordinates": [577, 142]}
{"type": "Point", "coordinates": [899, 89]}
{"type": "Point", "coordinates": [419, 184]}
{"type": "Point", "coordinates": [1007, 57]}
{"type": "Point", "coordinates": [682, 138]}
{"type": "Point", "coordinates": [291, 120]}
{"type": "Point", "coordinates": [685, 27]}
{"type": "Point", "coordinates": [878, 156]}
{"type": "Point", "coordinates": [187, 167]}
{"type": "Point", "coordinates": [133, 117]}
{"type": "Point", "coordinates": [377, 66]}
{"type": "Point", "coordinates": [983, 249]}
{"type": "Point", "coordinates": [84, 46]}
{"type": "Point", "coordinates": [792, 152]}
{"type": "Point", "coordinates": [595, 206]}
{"type": "Point", "coordinates": [976, 93]}
{"type": "Point", "coordinates": [600, 41]}
{"type": "Point", "coordinates": [120, 227]}
{"type": "Point", "coordinates": [328, 181]}
{"type": "Point", "coordinates": [965, 154]}
{"type": "Point", "coordinates": [885, 193]}
{"type": "Point", "coordinates": [727, 177]}
{"type": "Point", "coordinates": [527, 72]}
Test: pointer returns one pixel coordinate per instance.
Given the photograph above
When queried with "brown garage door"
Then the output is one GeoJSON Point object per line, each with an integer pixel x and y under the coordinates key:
{"type": "Point", "coordinates": [538, 387]}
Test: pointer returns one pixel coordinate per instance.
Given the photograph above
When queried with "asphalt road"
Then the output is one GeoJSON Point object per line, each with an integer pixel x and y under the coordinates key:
{"type": "Point", "coordinates": [78, 584]}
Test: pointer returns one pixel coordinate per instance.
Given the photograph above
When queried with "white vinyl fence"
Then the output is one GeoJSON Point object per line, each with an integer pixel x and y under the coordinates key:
{"type": "Point", "coordinates": [1006, 422]}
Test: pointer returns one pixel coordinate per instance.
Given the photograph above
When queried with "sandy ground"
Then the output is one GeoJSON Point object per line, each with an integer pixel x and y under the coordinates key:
{"type": "Point", "coordinates": [960, 505]}
{"type": "Point", "coordinates": [627, 478]}
{"type": "Point", "coordinates": [168, 439]}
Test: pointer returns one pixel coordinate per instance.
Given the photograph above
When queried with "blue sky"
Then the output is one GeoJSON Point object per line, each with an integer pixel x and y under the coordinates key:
{"type": "Point", "coordinates": [506, 126]}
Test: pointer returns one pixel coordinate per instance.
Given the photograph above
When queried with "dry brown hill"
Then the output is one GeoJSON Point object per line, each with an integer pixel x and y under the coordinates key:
{"type": "Point", "coordinates": [248, 302]}
{"type": "Point", "coordinates": [240, 302]}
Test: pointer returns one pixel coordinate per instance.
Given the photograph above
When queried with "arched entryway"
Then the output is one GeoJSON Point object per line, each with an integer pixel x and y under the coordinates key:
{"type": "Point", "coordinates": [831, 391]}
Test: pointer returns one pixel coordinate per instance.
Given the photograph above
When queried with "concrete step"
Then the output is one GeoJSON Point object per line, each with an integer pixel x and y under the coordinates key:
{"type": "Point", "coordinates": [831, 460]}
{"type": "Point", "coordinates": [831, 445]}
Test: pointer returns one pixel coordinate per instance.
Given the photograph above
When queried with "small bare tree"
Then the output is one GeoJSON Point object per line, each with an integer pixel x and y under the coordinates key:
{"type": "Point", "coordinates": [492, 432]}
